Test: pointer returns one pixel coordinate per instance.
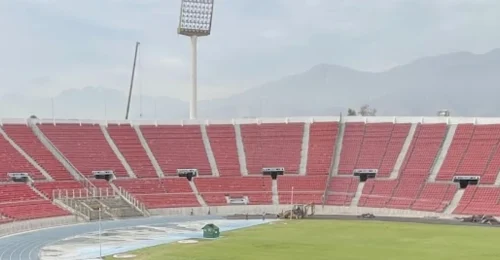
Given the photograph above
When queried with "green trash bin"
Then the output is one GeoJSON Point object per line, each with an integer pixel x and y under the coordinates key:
{"type": "Point", "coordinates": [211, 231]}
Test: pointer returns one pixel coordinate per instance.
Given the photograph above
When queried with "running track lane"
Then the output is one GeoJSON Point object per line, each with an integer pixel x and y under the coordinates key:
{"type": "Point", "coordinates": [27, 246]}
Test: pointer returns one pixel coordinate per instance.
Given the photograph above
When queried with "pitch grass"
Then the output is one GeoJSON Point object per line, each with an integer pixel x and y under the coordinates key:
{"type": "Point", "coordinates": [339, 239]}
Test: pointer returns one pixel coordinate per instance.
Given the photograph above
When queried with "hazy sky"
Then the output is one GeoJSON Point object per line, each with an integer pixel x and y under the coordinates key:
{"type": "Point", "coordinates": [51, 45]}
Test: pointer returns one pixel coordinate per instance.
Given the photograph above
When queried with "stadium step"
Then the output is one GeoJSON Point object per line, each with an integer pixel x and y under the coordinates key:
{"type": "Point", "coordinates": [334, 168]}
{"type": "Point", "coordinates": [151, 157]}
{"type": "Point", "coordinates": [25, 155]}
{"type": "Point", "coordinates": [30, 184]}
{"type": "Point", "coordinates": [454, 202]}
{"type": "Point", "coordinates": [131, 200]}
{"type": "Point", "coordinates": [497, 180]}
{"type": "Point", "coordinates": [404, 151]}
{"type": "Point", "coordinates": [117, 152]}
{"type": "Point", "coordinates": [274, 187]}
{"type": "Point", "coordinates": [305, 149]}
{"type": "Point", "coordinates": [57, 154]}
{"type": "Point", "coordinates": [208, 150]}
{"type": "Point", "coordinates": [241, 150]}
{"type": "Point", "coordinates": [443, 152]}
{"type": "Point", "coordinates": [357, 196]}
{"type": "Point", "coordinates": [197, 193]}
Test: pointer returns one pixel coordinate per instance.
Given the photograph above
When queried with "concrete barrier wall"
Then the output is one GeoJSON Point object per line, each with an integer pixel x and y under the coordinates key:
{"type": "Point", "coordinates": [28, 225]}
{"type": "Point", "coordinates": [326, 210]}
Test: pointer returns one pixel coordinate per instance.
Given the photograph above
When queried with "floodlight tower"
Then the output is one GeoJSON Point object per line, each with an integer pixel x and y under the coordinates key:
{"type": "Point", "coordinates": [195, 21]}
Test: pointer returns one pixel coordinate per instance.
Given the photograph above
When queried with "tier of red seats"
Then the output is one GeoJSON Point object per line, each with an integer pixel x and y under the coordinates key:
{"type": "Point", "coordinates": [351, 147]}
{"type": "Point", "coordinates": [473, 151]}
{"type": "Point", "coordinates": [257, 189]}
{"type": "Point", "coordinates": [480, 200]}
{"type": "Point", "coordinates": [33, 209]}
{"type": "Point", "coordinates": [160, 193]}
{"type": "Point", "coordinates": [12, 161]}
{"type": "Point", "coordinates": [381, 146]}
{"type": "Point", "coordinates": [48, 188]}
{"type": "Point", "coordinates": [272, 145]}
{"type": "Point", "coordinates": [306, 189]}
{"type": "Point", "coordinates": [26, 139]}
{"type": "Point", "coordinates": [404, 191]}
{"type": "Point", "coordinates": [322, 138]}
{"type": "Point", "coordinates": [223, 142]}
{"type": "Point", "coordinates": [19, 202]}
{"type": "Point", "coordinates": [155, 185]}
{"type": "Point", "coordinates": [85, 147]}
{"type": "Point", "coordinates": [177, 147]}
{"type": "Point", "coordinates": [341, 190]}
{"type": "Point", "coordinates": [127, 141]}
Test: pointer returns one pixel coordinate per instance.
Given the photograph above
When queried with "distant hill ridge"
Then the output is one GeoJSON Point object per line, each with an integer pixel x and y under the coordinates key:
{"type": "Point", "coordinates": [467, 84]}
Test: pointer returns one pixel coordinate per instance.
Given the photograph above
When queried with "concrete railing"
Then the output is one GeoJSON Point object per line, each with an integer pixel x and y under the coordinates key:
{"type": "Point", "coordinates": [28, 225]}
{"type": "Point", "coordinates": [135, 202]}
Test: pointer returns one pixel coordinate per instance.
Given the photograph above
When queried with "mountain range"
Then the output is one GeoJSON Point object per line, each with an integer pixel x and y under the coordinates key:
{"type": "Point", "coordinates": [467, 84]}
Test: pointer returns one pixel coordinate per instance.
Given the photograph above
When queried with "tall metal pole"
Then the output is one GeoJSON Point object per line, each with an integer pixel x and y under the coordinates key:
{"type": "Point", "coordinates": [52, 108]}
{"type": "Point", "coordinates": [193, 113]}
{"type": "Point", "coordinates": [291, 204]}
{"type": "Point", "coordinates": [132, 80]}
{"type": "Point", "coordinates": [100, 244]}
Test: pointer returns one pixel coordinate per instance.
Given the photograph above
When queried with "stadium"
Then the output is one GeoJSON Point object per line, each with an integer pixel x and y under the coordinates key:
{"type": "Point", "coordinates": [355, 187]}
{"type": "Point", "coordinates": [66, 172]}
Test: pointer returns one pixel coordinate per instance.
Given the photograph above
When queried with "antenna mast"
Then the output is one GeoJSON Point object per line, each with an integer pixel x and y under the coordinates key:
{"type": "Point", "coordinates": [132, 80]}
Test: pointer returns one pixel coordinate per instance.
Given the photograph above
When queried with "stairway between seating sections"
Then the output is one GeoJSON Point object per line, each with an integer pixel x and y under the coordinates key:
{"type": "Point", "coordinates": [117, 152]}
{"type": "Point", "coordinates": [404, 152]}
{"type": "Point", "coordinates": [241, 150]}
{"type": "Point", "coordinates": [334, 169]}
{"type": "Point", "coordinates": [208, 150]}
{"type": "Point", "coordinates": [357, 196]}
{"type": "Point", "coordinates": [197, 194]}
{"type": "Point", "coordinates": [275, 196]}
{"type": "Point", "coordinates": [57, 154]}
{"type": "Point", "coordinates": [150, 154]}
{"type": "Point", "coordinates": [454, 202]}
{"type": "Point", "coordinates": [25, 155]}
{"type": "Point", "coordinates": [305, 149]}
{"type": "Point", "coordinates": [443, 152]}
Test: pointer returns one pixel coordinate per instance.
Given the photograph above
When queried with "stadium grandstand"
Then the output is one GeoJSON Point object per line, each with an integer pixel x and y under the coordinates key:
{"type": "Point", "coordinates": [61, 168]}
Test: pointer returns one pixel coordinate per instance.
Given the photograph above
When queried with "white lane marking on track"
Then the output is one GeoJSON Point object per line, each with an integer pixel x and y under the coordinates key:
{"type": "Point", "coordinates": [14, 253]}
{"type": "Point", "coordinates": [4, 250]}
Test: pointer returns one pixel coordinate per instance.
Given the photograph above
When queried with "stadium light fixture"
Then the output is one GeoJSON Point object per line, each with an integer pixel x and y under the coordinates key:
{"type": "Point", "coordinates": [195, 21]}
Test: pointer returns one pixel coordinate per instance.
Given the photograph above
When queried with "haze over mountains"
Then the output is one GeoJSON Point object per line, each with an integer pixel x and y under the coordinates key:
{"type": "Point", "coordinates": [465, 83]}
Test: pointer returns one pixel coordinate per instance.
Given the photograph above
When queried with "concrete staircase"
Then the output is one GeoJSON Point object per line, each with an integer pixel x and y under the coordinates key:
{"type": "Point", "coordinates": [497, 180]}
{"type": "Point", "coordinates": [454, 202]}
{"type": "Point", "coordinates": [337, 150]}
{"type": "Point", "coordinates": [208, 150]}
{"type": "Point", "coordinates": [25, 155]}
{"type": "Point", "coordinates": [404, 151]}
{"type": "Point", "coordinates": [93, 206]}
{"type": "Point", "coordinates": [241, 150]}
{"type": "Point", "coordinates": [197, 193]}
{"type": "Point", "coordinates": [119, 208]}
{"type": "Point", "coordinates": [443, 152]}
{"type": "Point", "coordinates": [131, 200]}
{"type": "Point", "coordinates": [117, 152]}
{"type": "Point", "coordinates": [146, 148]}
{"type": "Point", "coordinates": [357, 196]}
{"type": "Point", "coordinates": [53, 149]}
{"type": "Point", "coordinates": [275, 197]}
{"type": "Point", "coordinates": [334, 165]}
{"type": "Point", "coordinates": [30, 184]}
{"type": "Point", "coordinates": [305, 149]}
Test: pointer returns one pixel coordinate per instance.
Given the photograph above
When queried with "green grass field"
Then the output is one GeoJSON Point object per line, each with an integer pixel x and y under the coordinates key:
{"type": "Point", "coordinates": [339, 239]}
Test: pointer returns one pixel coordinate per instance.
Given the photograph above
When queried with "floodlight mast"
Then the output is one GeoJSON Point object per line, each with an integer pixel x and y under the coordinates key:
{"type": "Point", "coordinates": [195, 21]}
